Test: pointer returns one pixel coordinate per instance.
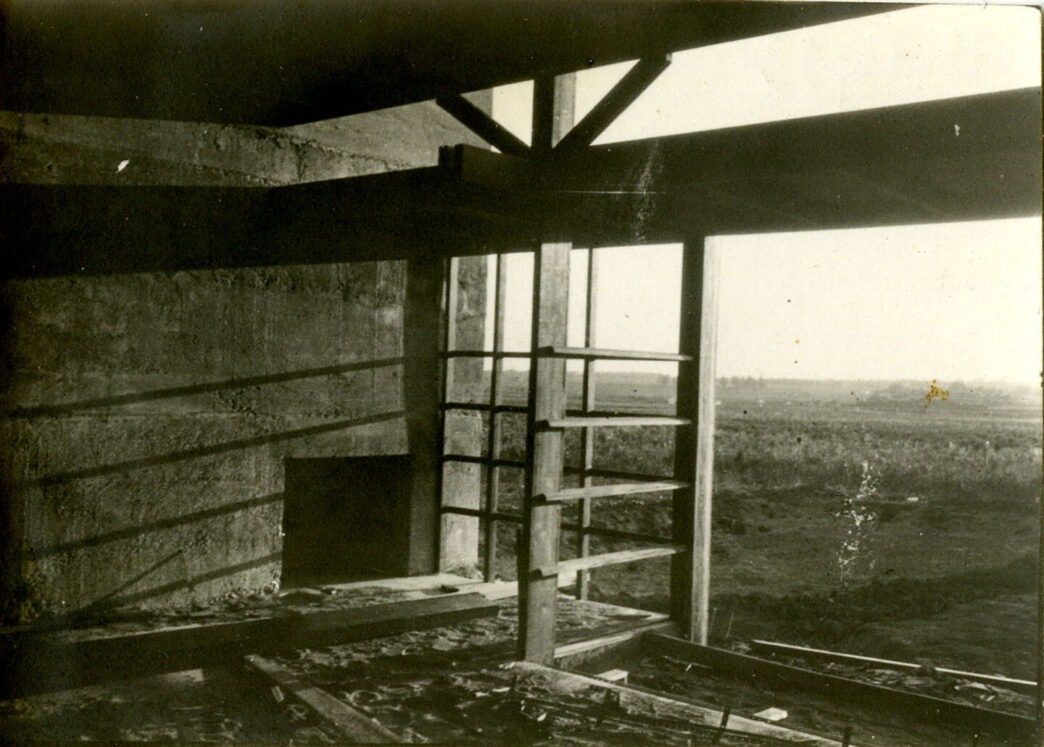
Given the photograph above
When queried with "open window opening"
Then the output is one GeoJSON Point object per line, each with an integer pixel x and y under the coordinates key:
{"type": "Point", "coordinates": [878, 444]}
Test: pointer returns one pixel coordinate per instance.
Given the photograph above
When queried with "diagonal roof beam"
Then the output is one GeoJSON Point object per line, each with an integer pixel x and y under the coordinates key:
{"type": "Point", "coordinates": [483, 125]}
{"type": "Point", "coordinates": [613, 104]}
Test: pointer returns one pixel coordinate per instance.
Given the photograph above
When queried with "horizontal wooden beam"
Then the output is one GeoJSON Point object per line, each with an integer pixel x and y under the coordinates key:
{"type": "Point", "coordinates": [483, 125]}
{"type": "Point", "coordinates": [888, 166]}
{"type": "Point", "coordinates": [611, 355]}
{"type": "Point", "coordinates": [620, 557]}
{"type": "Point", "coordinates": [353, 725]}
{"type": "Point", "coordinates": [617, 490]}
{"type": "Point", "coordinates": [768, 673]}
{"type": "Point", "coordinates": [614, 103]}
{"type": "Point", "coordinates": [39, 662]}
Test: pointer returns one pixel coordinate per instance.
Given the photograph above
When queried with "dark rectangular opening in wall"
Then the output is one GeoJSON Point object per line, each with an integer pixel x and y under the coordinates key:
{"type": "Point", "coordinates": [345, 519]}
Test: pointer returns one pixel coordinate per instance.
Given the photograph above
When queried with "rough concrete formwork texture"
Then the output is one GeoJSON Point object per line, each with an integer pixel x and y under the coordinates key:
{"type": "Point", "coordinates": [148, 416]}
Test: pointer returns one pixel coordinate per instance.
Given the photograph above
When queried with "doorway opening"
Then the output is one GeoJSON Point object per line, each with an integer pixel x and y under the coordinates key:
{"type": "Point", "coordinates": [345, 519]}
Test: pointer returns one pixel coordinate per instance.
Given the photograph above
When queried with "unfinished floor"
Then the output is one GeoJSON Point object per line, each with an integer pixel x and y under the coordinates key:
{"type": "Point", "coordinates": [452, 683]}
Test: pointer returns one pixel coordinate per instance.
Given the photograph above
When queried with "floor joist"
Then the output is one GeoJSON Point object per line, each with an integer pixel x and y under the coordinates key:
{"type": "Point", "coordinates": [768, 673]}
{"type": "Point", "coordinates": [44, 662]}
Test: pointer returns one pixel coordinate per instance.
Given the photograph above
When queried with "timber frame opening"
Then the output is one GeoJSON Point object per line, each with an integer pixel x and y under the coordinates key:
{"type": "Point", "coordinates": [539, 525]}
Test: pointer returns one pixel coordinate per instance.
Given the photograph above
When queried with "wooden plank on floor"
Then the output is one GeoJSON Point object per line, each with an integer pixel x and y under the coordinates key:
{"type": "Point", "coordinates": [355, 726]}
{"type": "Point", "coordinates": [1011, 683]}
{"type": "Point", "coordinates": [43, 662]}
{"type": "Point", "coordinates": [768, 673]}
{"type": "Point", "coordinates": [640, 700]}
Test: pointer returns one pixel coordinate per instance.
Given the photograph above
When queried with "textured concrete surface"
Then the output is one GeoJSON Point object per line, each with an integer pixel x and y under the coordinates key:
{"type": "Point", "coordinates": [147, 416]}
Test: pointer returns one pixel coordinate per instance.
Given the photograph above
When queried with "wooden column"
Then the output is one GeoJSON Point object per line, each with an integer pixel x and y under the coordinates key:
{"type": "Point", "coordinates": [538, 584]}
{"type": "Point", "coordinates": [425, 277]}
{"type": "Point", "coordinates": [553, 102]}
{"type": "Point", "coordinates": [694, 446]}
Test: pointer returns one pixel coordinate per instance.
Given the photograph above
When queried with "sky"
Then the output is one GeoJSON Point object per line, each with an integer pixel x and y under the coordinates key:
{"type": "Point", "coordinates": [946, 301]}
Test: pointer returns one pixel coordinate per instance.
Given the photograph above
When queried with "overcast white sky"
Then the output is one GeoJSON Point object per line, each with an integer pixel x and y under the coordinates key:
{"type": "Point", "coordinates": [953, 301]}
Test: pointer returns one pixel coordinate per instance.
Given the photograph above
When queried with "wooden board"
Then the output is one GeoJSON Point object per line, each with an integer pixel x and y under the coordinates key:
{"type": "Point", "coordinates": [353, 725]}
{"type": "Point", "coordinates": [609, 491]}
{"type": "Point", "coordinates": [45, 662]}
{"type": "Point", "coordinates": [616, 558]}
{"type": "Point", "coordinates": [621, 421]}
{"type": "Point", "coordinates": [1025, 686]}
{"type": "Point", "coordinates": [769, 673]}
{"type": "Point", "coordinates": [644, 701]}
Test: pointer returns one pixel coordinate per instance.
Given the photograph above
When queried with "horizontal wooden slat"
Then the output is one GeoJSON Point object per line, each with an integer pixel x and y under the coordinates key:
{"type": "Point", "coordinates": [621, 421]}
{"type": "Point", "coordinates": [482, 514]}
{"type": "Point", "coordinates": [486, 354]}
{"type": "Point", "coordinates": [611, 355]}
{"type": "Point", "coordinates": [482, 407]}
{"type": "Point", "coordinates": [608, 491]}
{"type": "Point", "coordinates": [617, 558]}
{"type": "Point", "coordinates": [465, 458]}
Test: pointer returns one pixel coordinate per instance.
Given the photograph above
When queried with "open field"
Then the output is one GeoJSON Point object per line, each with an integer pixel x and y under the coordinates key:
{"type": "Point", "coordinates": [852, 515]}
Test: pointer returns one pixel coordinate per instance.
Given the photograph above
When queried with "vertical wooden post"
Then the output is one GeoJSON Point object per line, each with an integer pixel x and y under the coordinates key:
{"type": "Point", "coordinates": [422, 393]}
{"type": "Point", "coordinates": [694, 446]}
{"type": "Point", "coordinates": [538, 587]}
{"type": "Point", "coordinates": [553, 102]}
{"type": "Point", "coordinates": [493, 445]}
{"type": "Point", "coordinates": [587, 435]}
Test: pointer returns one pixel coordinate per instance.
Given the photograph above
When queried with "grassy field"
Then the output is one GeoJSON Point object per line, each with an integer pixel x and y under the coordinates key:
{"type": "Point", "coordinates": [853, 515]}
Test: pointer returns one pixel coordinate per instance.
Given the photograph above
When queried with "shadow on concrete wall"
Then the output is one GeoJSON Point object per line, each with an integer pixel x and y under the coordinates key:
{"type": "Point", "coordinates": [170, 560]}
{"type": "Point", "coordinates": [131, 398]}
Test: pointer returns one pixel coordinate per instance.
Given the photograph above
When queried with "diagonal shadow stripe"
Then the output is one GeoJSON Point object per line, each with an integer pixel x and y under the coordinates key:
{"type": "Point", "coordinates": [114, 599]}
{"type": "Point", "coordinates": [155, 526]}
{"type": "Point", "coordinates": [244, 443]}
{"type": "Point", "coordinates": [189, 389]}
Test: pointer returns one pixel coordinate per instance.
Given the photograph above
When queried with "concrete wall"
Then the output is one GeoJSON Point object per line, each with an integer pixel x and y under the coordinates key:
{"type": "Point", "coordinates": [147, 416]}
